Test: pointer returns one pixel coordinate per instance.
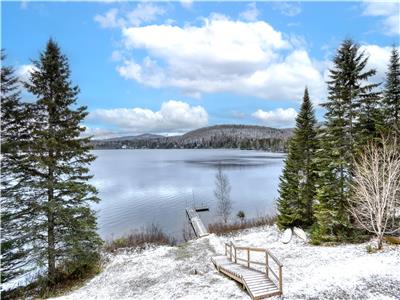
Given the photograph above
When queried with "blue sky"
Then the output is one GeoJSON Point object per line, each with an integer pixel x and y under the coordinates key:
{"type": "Point", "coordinates": [169, 67]}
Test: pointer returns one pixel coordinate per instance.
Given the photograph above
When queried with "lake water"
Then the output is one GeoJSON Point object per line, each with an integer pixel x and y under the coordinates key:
{"type": "Point", "coordinates": [141, 187]}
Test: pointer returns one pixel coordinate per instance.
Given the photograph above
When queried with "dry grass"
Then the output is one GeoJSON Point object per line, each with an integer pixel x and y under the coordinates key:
{"type": "Point", "coordinates": [151, 235]}
{"type": "Point", "coordinates": [221, 228]}
{"type": "Point", "coordinates": [391, 239]}
{"type": "Point", "coordinates": [64, 282]}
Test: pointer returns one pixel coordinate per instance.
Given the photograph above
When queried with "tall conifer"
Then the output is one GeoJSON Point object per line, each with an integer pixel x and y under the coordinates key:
{"type": "Point", "coordinates": [391, 100]}
{"type": "Point", "coordinates": [297, 184]}
{"type": "Point", "coordinates": [15, 207]}
{"type": "Point", "coordinates": [64, 229]}
{"type": "Point", "coordinates": [350, 101]}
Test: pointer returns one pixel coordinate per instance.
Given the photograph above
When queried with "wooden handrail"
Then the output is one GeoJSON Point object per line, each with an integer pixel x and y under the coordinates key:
{"type": "Point", "coordinates": [233, 257]}
{"type": "Point", "coordinates": [274, 258]}
{"type": "Point", "coordinates": [231, 245]}
{"type": "Point", "coordinates": [273, 273]}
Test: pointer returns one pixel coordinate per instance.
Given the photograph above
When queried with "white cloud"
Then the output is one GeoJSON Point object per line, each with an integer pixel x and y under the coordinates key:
{"type": "Point", "coordinates": [109, 20]}
{"type": "Point", "coordinates": [389, 11]}
{"type": "Point", "coordinates": [237, 114]}
{"type": "Point", "coordinates": [221, 55]}
{"type": "Point", "coordinates": [288, 9]}
{"type": "Point", "coordinates": [98, 133]}
{"type": "Point", "coordinates": [117, 55]}
{"type": "Point", "coordinates": [186, 3]}
{"type": "Point", "coordinates": [23, 72]}
{"type": "Point", "coordinates": [173, 116]}
{"type": "Point", "coordinates": [378, 59]}
{"type": "Point", "coordinates": [277, 118]}
{"type": "Point", "coordinates": [251, 13]}
{"type": "Point", "coordinates": [143, 13]}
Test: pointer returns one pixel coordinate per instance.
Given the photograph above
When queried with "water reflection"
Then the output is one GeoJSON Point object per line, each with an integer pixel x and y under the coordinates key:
{"type": "Point", "coordinates": [138, 187]}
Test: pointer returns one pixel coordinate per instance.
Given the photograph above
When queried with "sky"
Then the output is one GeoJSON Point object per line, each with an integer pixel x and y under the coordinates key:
{"type": "Point", "coordinates": [170, 67]}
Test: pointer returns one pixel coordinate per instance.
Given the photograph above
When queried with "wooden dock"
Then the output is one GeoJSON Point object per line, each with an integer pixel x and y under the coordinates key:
{"type": "Point", "coordinates": [258, 282]}
{"type": "Point", "coordinates": [197, 225]}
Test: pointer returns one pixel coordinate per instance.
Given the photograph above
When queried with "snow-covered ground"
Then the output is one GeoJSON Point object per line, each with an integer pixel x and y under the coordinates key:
{"type": "Point", "coordinates": [186, 272]}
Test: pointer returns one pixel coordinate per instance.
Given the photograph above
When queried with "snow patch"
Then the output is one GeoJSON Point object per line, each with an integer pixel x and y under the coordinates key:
{"type": "Point", "coordinates": [186, 272]}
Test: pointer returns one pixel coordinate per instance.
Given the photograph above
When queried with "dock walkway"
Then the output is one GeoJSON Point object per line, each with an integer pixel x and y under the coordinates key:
{"type": "Point", "coordinates": [258, 283]}
{"type": "Point", "coordinates": [198, 226]}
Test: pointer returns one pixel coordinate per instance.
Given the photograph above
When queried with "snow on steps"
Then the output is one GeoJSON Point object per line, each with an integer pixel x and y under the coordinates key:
{"type": "Point", "coordinates": [257, 283]}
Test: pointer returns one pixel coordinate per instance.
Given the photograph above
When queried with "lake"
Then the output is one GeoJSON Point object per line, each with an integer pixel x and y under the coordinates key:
{"type": "Point", "coordinates": [141, 187]}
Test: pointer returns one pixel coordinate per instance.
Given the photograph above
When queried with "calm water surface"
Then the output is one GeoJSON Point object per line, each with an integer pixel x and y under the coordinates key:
{"type": "Point", "coordinates": [140, 187]}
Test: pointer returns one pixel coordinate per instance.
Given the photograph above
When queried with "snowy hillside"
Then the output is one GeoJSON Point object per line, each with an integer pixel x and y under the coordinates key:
{"type": "Point", "coordinates": [186, 272]}
{"type": "Point", "coordinates": [219, 136]}
{"type": "Point", "coordinates": [236, 132]}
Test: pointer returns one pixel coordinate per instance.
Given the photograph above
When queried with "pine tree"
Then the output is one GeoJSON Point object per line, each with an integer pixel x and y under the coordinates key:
{"type": "Point", "coordinates": [64, 227]}
{"type": "Point", "coordinates": [391, 100]}
{"type": "Point", "coordinates": [15, 206]}
{"type": "Point", "coordinates": [297, 184]}
{"type": "Point", "coordinates": [328, 213]}
{"type": "Point", "coordinates": [351, 100]}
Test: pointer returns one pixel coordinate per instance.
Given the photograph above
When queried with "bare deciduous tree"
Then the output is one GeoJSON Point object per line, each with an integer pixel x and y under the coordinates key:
{"type": "Point", "coordinates": [376, 199]}
{"type": "Point", "coordinates": [222, 193]}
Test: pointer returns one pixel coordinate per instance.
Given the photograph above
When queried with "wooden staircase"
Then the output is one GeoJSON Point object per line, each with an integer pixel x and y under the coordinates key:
{"type": "Point", "coordinates": [253, 274]}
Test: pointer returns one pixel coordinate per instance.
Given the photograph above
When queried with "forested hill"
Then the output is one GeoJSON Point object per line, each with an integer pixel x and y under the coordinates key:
{"type": "Point", "coordinates": [219, 136]}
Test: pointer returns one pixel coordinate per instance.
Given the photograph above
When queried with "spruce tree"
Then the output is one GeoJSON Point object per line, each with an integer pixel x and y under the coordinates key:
{"type": "Point", "coordinates": [15, 208]}
{"type": "Point", "coordinates": [391, 100]}
{"type": "Point", "coordinates": [64, 227]}
{"type": "Point", "coordinates": [297, 184]}
{"type": "Point", "coordinates": [350, 101]}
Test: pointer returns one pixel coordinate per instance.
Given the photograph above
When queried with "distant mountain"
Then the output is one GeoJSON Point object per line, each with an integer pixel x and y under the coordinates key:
{"type": "Point", "coordinates": [219, 136]}
{"type": "Point", "coordinates": [235, 132]}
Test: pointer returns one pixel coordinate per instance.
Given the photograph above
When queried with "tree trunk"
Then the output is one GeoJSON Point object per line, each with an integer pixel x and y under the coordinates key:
{"type": "Point", "coordinates": [51, 272]}
{"type": "Point", "coordinates": [380, 242]}
{"type": "Point", "coordinates": [51, 260]}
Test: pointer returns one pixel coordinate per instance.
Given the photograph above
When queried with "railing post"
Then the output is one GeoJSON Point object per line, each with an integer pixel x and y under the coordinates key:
{"type": "Point", "coordinates": [248, 257]}
{"type": "Point", "coordinates": [235, 254]}
{"type": "Point", "coordinates": [230, 252]}
{"type": "Point", "coordinates": [226, 252]}
{"type": "Point", "coordinates": [266, 262]}
{"type": "Point", "coordinates": [280, 279]}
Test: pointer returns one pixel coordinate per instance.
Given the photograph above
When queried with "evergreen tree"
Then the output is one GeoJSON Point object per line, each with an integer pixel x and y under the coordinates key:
{"type": "Point", "coordinates": [391, 100]}
{"type": "Point", "coordinates": [64, 227]}
{"type": "Point", "coordinates": [15, 206]}
{"type": "Point", "coordinates": [297, 184]}
{"type": "Point", "coordinates": [351, 102]}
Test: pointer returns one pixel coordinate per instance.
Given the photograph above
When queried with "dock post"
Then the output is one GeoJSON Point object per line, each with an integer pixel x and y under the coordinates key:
{"type": "Point", "coordinates": [248, 258]}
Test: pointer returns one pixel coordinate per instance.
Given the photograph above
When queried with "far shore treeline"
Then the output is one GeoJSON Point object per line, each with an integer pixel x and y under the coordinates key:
{"type": "Point", "coordinates": [245, 137]}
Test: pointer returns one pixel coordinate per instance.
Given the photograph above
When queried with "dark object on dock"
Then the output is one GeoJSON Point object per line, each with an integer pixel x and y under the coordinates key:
{"type": "Point", "coordinates": [201, 207]}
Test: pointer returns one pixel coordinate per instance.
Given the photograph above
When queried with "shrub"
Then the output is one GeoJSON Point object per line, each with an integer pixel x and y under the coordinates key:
{"type": "Point", "coordinates": [151, 235]}
{"type": "Point", "coordinates": [371, 249]}
{"type": "Point", "coordinates": [220, 228]}
{"type": "Point", "coordinates": [241, 215]}
{"type": "Point", "coordinates": [68, 276]}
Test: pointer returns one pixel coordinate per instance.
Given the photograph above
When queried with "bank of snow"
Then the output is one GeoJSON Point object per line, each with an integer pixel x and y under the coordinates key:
{"type": "Point", "coordinates": [186, 272]}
